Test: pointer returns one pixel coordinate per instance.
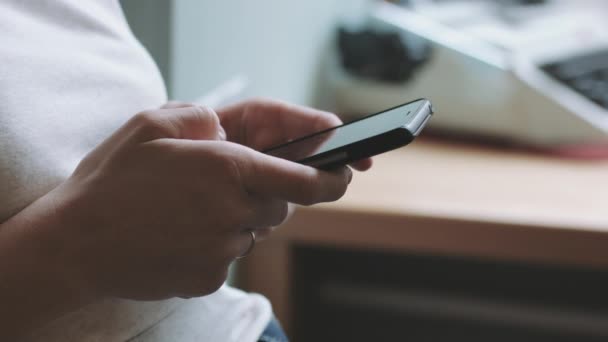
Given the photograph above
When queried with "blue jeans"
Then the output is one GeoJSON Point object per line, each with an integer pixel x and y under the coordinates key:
{"type": "Point", "coordinates": [273, 333]}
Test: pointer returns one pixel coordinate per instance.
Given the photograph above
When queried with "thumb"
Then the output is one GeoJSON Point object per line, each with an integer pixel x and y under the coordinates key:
{"type": "Point", "coordinates": [192, 123]}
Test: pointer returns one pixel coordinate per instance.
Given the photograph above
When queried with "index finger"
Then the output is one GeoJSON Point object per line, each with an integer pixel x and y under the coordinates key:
{"type": "Point", "coordinates": [263, 123]}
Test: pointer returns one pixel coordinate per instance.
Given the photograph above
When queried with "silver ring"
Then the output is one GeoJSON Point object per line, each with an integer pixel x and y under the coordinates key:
{"type": "Point", "coordinates": [251, 245]}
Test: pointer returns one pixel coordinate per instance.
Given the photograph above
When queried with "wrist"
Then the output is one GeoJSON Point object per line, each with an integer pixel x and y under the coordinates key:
{"type": "Point", "coordinates": [59, 241]}
{"type": "Point", "coordinates": [38, 281]}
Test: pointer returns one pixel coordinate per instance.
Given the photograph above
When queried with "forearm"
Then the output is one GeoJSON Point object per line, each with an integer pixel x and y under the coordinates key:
{"type": "Point", "coordinates": [36, 283]}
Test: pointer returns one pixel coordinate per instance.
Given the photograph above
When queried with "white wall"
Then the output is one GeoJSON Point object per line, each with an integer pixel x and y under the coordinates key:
{"type": "Point", "coordinates": [277, 44]}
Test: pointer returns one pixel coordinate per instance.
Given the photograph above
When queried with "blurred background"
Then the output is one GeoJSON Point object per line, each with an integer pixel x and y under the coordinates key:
{"type": "Point", "coordinates": [492, 227]}
{"type": "Point", "coordinates": [277, 45]}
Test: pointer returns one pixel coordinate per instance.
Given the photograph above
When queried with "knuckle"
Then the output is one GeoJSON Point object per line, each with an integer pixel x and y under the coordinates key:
{"type": "Point", "coordinates": [145, 118]}
{"type": "Point", "coordinates": [235, 163]}
{"type": "Point", "coordinates": [150, 124]}
{"type": "Point", "coordinates": [207, 115]}
{"type": "Point", "coordinates": [203, 111]}
{"type": "Point", "coordinates": [232, 168]}
{"type": "Point", "coordinates": [260, 101]}
{"type": "Point", "coordinates": [223, 161]}
{"type": "Point", "coordinates": [263, 103]}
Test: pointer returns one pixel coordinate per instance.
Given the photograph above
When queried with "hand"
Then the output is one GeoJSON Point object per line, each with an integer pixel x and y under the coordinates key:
{"type": "Point", "coordinates": [163, 206]}
{"type": "Point", "coordinates": [263, 123]}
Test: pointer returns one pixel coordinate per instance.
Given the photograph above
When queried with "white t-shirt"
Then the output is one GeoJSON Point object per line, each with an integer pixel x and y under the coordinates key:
{"type": "Point", "coordinates": [71, 73]}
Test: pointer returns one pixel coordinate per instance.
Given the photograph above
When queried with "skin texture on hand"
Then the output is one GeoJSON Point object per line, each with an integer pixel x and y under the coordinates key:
{"type": "Point", "coordinates": [263, 123]}
{"type": "Point", "coordinates": [159, 209]}
{"type": "Point", "coordinates": [174, 203]}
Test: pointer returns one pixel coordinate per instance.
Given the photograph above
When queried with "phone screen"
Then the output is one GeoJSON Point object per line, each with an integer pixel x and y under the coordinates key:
{"type": "Point", "coordinates": [327, 140]}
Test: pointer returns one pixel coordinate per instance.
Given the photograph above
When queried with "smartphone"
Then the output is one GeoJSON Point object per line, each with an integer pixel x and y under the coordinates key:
{"type": "Point", "coordinates": [359, 139]}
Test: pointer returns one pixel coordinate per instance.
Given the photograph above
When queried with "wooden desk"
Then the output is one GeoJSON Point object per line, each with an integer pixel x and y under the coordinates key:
{"type": "Point", "coordinates": [451, 199]}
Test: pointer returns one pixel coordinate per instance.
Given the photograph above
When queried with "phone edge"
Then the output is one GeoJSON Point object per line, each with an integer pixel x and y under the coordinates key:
{"type": "Point", "coordinates": [427, 104]}
{"type": "Point", "coordinates": [375, 145]}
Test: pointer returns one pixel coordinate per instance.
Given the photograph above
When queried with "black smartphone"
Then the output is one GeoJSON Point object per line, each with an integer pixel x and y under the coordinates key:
{"type": "Point", "coordinates": [359, 139]}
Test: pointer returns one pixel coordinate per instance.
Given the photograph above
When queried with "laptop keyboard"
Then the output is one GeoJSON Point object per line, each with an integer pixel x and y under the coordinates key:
{"type": "Point", "coordinates": [587, 75]}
